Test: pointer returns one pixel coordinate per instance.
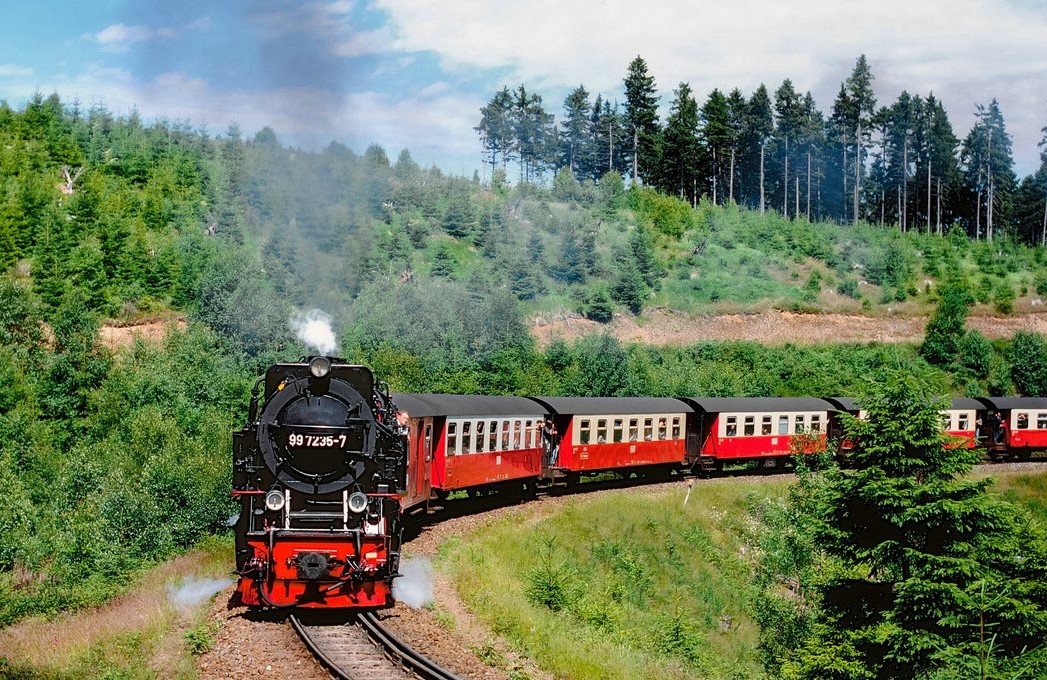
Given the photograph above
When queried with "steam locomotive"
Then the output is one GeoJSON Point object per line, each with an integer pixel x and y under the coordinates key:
{"type": "Point", "coordinates": [330, 463]}
{"type": "Point", "coordinates": [319, 471]}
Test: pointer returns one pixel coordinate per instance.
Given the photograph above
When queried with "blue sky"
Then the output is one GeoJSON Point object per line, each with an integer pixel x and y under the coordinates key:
{"type": "Point", "coordinates": [414, 73]}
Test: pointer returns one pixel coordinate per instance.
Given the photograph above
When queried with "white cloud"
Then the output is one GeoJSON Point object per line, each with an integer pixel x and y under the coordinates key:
{"type": "Point", "coordinates": [15, 71]}
{"type": "Point", "coordinates": [120, 37]}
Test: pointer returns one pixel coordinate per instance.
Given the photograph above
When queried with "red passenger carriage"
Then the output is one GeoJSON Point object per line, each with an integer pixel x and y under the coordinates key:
{"type": "Point", "coordinates": [612, 433]}
{"type": "Point", "coordinates": [735, 430]}
{"type": "Point", "coordinates": [469, 442]}
{"type": "Point", "coordinates": [1022, 429]}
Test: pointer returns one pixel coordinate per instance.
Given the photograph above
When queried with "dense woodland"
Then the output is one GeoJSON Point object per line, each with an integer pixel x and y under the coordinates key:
{"type": "Point", "coordinates": [431, 280]}
{"type": "Point", "coordinates": [900, 163]}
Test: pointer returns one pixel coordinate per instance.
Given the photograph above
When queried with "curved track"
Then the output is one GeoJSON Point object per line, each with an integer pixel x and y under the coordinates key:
{"type": "Point", "coordinates": [363, 649]}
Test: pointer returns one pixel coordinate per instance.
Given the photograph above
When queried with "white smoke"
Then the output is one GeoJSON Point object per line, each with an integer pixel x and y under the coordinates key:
{"type": "Point", "coordinates": [192, 591]}
{"type": "Point", "coordinates": [313, 328]}
{"type": "Point", "coordinates": [414, 587]}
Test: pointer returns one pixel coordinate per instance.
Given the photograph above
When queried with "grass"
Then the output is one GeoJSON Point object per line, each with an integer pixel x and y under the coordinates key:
{"type": "Point", "coordinates": [140, 634]}
{"type": "Point", "coordinates": [648, 587]}
{"type": "Point", "coordinates": [1028, 490]}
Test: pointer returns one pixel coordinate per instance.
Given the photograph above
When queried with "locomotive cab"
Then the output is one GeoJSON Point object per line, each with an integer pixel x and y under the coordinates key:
{"type": "Point", "coordinates": [318, 472]}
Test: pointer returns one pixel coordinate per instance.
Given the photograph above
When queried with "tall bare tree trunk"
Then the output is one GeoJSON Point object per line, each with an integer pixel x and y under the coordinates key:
{"type": "Point", "coordinates": [928, 197]}
{"type": "Point", "coordinates": [731, 184]}
{"type": "Point", "coordinates": [785, 181]}
{"type": "Point", "coordinates": [808, 185]}
{"type": "Point", "coordinates": [857, 171]}
{"type": "Point", "coordinates": [610, 146]}
{"type": "Point", "coordinates": [938, 212]}
{"type": "Point", "coordinates": [989, 206]}
{"type": "Point", "coordinates": [796, 197]}
{"type": "Point", "coordinates": [763, 146]}
{"type": "Point", "coordinates": [905, 183]}
{"type": "Point", "coordinates": [636, 155]}
{"type": "Point", "coordinates": [898, 207]}
{"type": "Point", "coordinates": [978, 216]}
{"type": "Point", "coordinates": [1043, 231]}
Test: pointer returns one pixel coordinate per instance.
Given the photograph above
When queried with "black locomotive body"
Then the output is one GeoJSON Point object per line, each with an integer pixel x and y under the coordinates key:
{"type": "Point", "coordinates": [319, 471]}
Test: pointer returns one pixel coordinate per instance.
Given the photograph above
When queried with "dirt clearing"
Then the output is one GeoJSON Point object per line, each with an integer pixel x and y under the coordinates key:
{"type": "Point", "coordinates": [774, 327]}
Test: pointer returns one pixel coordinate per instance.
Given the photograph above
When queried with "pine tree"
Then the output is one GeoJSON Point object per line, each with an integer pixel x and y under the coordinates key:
{"type": "Point", "coordinates": [496, 128]}
{"type": "Point", "coordinates": [1031, 201]}
{"type": "Point", "coordinates": [989, 170]}
{"type": "Point", "coordinates": [575, 145]}
{"type": "Point", "coordinates": [788, 119]}
{"type": "Point", "coordinates": [628, 287]}
{"type": "Point", "coordinates": [715, 146]}
{"type": "Point", "coordinates": [757, 135]}
{"type": "Point", "coordinates": [680, 148]}
{"type": "Point", "coordinates": [926, 573]}
{"type": "Point", "coordinates": [641, 117]}
{"type": "Point", "coordinates": [861, 110]}
{"type": "Point", "coordinates": [946, 326]}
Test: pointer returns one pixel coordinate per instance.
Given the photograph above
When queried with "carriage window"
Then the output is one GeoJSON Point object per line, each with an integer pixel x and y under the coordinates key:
{"type": "Point", "coordinates": [481, 440]}
{"type": "Point", "coordinates": [1041, 421]}
{"type": "Point", "coordinates": [452, 438]}
{"type": "Point", "coordinates": [648, 429]}
{"type": "Point", "coordinates": [663, 429]}
{"type": "Point", "coordinates": [505, 435]}
{"type": "Point", "coordinates": [801, 427]}
{"type": "Point", "coordinates": [816, 424]}
{"type": "Point", "coordinates": [467, 437]}
{"type": "Point", "coordinates": [1023, 421]}
{"type": "Point", "coordinates": [583, 432]}
{"type": "Point", "coordinates": [676, 427]}
{"type": "Point", "coordinates": [946, 422]}
{"type": "Point", "coordinates": [732, 426]}
{"type": "Point", "coordinates": [601, 431]}
{"type": "Point", "coordinates": [529, 433]}
{"type": "Point", "coordinates": [765, 425]}
{"type": "Point", "coordinates": [618, 430]}
{"type": "Point", "coordinates": [634, 429]}
{"type": "Point", "coordinates": [750, 426]}
{"type": "Point", "coordinates": [517, 425]}
{"type": "Point", "coordinates": [783, 424]}
{"type": "Point", "coordinates": [964, 422]}
{"type": "Point", "coordinates": [492, 429]}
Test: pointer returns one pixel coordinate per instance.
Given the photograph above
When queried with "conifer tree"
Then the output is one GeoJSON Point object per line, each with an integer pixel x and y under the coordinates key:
{"type": "Point", "coordinates": [641, 117]}
{"type": "Point", "coordinates": [927, 575]}
{"type": "Point", "coordinates": [575, 145]}
{"type": "Point", "coordinates": [680, 148]}
{"type": "Point", "coordinates": [757, 135]}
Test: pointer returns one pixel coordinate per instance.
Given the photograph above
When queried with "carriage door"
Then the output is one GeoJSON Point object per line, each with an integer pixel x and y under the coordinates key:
{"type": "Point", "coordinates": [422, 457]}
{"type": "Point", "coordinates": [694, 437]}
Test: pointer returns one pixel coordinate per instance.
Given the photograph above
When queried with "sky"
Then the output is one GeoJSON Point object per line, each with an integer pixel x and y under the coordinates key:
{"type": "Point", "coordinates": [414, 73]}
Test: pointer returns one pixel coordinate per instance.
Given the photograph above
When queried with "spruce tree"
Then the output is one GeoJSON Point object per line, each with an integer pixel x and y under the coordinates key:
{"type": "Point", "coordinates": [641, 117]}
{"type": "Point", "coordinates": [923, 574]}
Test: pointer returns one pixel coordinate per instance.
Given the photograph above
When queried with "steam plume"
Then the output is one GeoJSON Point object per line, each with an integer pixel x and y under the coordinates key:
{"type": "Point", "coordinates": [313, 328]}
{"type": "Point", "coordinates": [415, 585]}
{"type": "Point", "coordinates": [192, 591]}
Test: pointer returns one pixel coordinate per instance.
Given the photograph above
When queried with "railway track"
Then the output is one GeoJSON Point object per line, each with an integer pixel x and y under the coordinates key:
{"type": "Point", "coordinates": [363, 649]}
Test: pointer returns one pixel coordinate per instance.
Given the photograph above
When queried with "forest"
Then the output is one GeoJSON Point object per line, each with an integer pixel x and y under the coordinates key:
{"type": "Point", "coordinates": [900, 163]}
{"type": "Point", "coordinates": [431, 279]}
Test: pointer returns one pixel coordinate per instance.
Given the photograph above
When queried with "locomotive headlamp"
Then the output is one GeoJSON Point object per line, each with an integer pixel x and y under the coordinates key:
{"type": "Point", "coordinates": [358, 502]}
{"type": "Point", "coordinates": [274, 500]}
{"type": "Point", "coordinates": [320, 366]}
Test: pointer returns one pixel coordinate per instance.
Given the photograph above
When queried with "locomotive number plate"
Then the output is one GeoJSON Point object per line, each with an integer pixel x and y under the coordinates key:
{"type": "Point", "coordinates": [316, 441]}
